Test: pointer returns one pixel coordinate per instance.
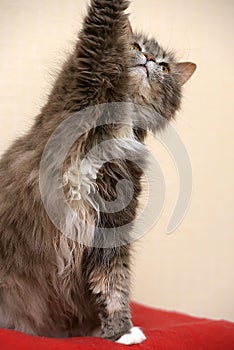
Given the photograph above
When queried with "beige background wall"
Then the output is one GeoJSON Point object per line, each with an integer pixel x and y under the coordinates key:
{"type": "Point", "coordinates": [192, 269]}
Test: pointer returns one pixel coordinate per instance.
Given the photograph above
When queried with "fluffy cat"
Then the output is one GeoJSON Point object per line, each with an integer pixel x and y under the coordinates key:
{"type": "Point", "coordinates": [50, 284]}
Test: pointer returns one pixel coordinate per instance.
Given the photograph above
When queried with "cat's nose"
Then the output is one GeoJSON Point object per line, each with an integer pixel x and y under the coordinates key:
{"type": "Point", "coordinates": [149, 57]}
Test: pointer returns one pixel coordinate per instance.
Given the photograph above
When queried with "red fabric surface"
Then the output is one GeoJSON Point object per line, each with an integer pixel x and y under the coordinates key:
{"type": "Point", "coordinates": [164, 331]}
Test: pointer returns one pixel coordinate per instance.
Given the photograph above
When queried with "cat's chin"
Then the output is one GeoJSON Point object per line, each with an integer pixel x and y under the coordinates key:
{"type": "Point", "coordinates": [140, 80]}
{"type": "Point", "coordinates": [140, 71]}
{"type": "Point", "coordinates": [143, 70]}
{"type": "Point", "coordinates": [140, 87]}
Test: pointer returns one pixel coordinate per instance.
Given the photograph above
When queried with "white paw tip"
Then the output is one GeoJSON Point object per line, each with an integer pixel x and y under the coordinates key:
{"type": "Point", "coordinates": [135, 336]}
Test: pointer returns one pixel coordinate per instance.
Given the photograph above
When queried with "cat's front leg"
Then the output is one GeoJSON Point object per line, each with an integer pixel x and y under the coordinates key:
{"type": "Point", "coordinates": [134, 336]}
{"type": "Point", "coordinates": [109, 283]}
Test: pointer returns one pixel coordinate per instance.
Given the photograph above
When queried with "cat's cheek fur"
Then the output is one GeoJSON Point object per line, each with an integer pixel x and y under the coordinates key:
{"type": "Point", "coordinates": [135, 336]}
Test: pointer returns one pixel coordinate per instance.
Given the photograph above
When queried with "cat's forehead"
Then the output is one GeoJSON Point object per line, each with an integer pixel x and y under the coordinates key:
{"type": "Point", "coordinates": [151, 45]}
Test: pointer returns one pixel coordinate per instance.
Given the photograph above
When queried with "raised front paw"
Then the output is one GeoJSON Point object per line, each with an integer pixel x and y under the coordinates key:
{"type": "Point", "coordinates": [135, 336]}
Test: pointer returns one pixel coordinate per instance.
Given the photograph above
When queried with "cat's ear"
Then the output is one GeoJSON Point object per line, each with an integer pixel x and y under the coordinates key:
{"type": "Point", "coordinates": [129, 29]}
{"type": "Point", "coordinates": [185, 70]}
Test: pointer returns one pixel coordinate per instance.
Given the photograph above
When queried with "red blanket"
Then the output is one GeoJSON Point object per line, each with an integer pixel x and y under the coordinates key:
{"type": "Point", "coordinates": [164, 331]}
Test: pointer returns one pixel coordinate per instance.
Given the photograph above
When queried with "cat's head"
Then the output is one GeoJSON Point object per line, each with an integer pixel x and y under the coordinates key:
{"type": "Point", "coordinates": [156, 77]}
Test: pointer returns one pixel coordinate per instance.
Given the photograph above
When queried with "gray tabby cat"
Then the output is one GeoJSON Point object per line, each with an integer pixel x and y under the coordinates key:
{"type": "Point", "coordinates": [50, 284]}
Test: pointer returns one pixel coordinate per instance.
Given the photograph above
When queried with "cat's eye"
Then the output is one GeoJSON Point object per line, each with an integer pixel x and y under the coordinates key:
{"type": "Point", "coordinates": [135, 47]}
{"type": "Point", "coordinates": [164, 67]}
